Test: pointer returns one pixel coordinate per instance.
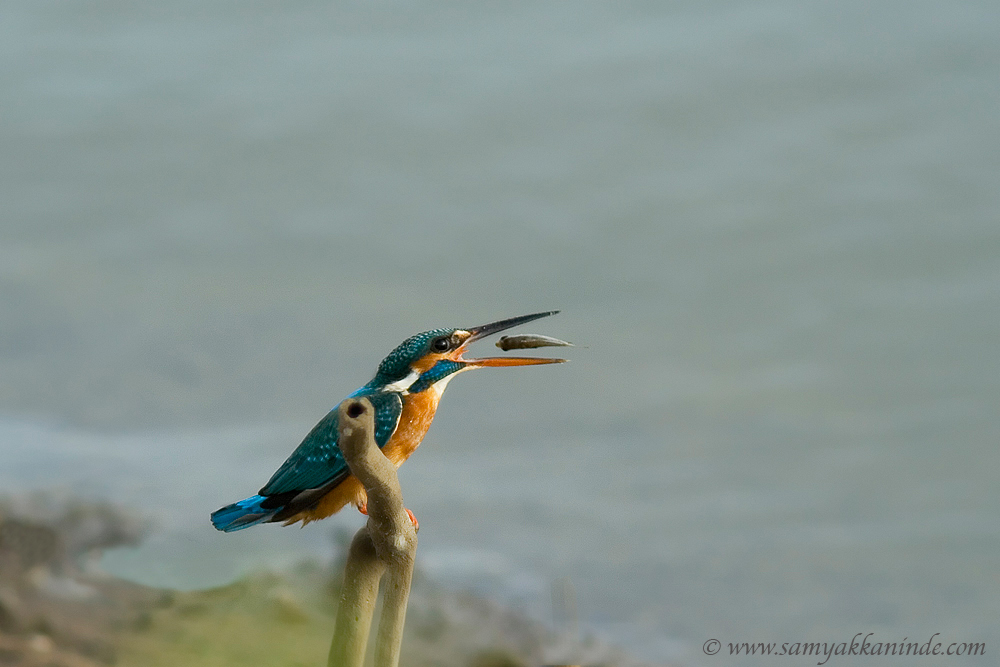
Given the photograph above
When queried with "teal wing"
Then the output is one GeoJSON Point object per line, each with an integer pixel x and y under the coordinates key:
{"type": "Point", "coordinates": [318, 461]}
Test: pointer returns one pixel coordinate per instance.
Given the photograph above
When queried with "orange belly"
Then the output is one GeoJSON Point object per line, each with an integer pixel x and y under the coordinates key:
{"type": "Point", "coordinates": [415, 419]}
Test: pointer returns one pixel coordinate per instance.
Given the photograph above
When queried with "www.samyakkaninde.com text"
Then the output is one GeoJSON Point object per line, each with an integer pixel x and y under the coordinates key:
{"type": "Point", "coordinates": [860, 644]}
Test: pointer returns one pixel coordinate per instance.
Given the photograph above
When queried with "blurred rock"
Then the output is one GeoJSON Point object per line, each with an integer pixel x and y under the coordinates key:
{"type": "Point", "coordinates": [52, 613]}
{"type": "Point", "coordinates": [55, 613]}
{"type": "Point", "coordinates": [25, 545]}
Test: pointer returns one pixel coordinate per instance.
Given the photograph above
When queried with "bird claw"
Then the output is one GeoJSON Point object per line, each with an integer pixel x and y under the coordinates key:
{"type": "Point", "coordinates": [363, 508]}
{"type": "Point", "coordinates": [413, 520]}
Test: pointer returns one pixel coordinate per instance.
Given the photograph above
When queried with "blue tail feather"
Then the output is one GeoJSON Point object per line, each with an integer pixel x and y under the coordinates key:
{"type": "Point", "coordinates": [242, 515]}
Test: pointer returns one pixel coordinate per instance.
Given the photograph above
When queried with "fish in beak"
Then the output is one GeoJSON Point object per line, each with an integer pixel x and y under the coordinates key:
{"type": "Point", "coordinates": [477, 333]}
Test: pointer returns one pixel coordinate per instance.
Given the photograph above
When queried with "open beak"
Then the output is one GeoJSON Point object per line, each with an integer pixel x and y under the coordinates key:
{"type": "Point", "coordinates": [496, 327]}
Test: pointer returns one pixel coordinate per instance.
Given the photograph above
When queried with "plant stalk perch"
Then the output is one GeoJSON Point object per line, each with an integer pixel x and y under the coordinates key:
{"type": "Point", "coordinates": [384, 548]}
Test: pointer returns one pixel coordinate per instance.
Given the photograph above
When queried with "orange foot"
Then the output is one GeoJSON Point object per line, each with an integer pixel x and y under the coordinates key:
{"type": "Point", "coordinates": [363, 508]}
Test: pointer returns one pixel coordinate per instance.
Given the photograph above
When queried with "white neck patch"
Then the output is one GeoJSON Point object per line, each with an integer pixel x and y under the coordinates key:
{"type": "Point", "coordinates": [403, 385]}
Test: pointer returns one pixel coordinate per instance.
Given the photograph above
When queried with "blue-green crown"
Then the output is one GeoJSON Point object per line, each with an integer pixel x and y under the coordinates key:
{"type": "Point", "coordinates": [396, 366]}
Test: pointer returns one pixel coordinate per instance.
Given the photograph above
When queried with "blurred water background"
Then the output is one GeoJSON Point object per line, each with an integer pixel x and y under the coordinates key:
{"type": "Point", "coordinates": [774, 226]}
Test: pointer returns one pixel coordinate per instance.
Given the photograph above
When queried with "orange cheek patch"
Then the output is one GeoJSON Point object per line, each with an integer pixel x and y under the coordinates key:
{"type": "Point", "coordinates": [426, 362]}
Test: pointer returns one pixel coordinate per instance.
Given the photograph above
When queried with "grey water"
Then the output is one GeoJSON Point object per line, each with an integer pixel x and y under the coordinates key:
{"type": "Point", "coordinates": [773, 229]}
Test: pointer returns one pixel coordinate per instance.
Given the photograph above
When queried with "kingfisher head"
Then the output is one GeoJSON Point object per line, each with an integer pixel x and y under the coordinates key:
{"type": "Point", "coordinates": [430, 359]}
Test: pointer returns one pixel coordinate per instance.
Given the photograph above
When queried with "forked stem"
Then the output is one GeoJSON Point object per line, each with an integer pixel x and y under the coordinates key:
{"type": "Point", "coordinates": [384, 548]}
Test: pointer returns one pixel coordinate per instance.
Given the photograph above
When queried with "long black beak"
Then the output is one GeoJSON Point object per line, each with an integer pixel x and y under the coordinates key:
{"type": "Point", "coordinates": [495, 327]}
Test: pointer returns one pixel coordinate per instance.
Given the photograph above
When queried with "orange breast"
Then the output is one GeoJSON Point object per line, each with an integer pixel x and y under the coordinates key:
{"type": "Point", "coordinates": [415, 419]}
{"type": "Point", "coordinates": [418, 413]}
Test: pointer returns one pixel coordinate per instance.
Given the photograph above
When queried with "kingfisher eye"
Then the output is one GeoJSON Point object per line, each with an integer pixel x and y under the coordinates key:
{"type": "Point", "coordinates": [441, 344]}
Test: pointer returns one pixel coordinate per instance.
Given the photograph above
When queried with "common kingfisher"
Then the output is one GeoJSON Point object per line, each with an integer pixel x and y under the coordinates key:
{"type": "Point", "coordinates": [315, 482]}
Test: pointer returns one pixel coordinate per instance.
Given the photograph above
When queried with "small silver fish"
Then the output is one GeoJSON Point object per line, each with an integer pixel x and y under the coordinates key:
{"type": "Point", "coordinates": [527, 341]}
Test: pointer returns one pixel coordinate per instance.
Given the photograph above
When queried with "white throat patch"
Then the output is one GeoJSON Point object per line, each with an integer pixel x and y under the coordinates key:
{"type": "Point", "coordinates": [440, 385]}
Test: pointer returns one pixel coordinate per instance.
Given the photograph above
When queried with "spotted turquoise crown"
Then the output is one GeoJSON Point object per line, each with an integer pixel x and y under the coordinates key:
{"type": "Point", "coordinates": [396, 366]}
